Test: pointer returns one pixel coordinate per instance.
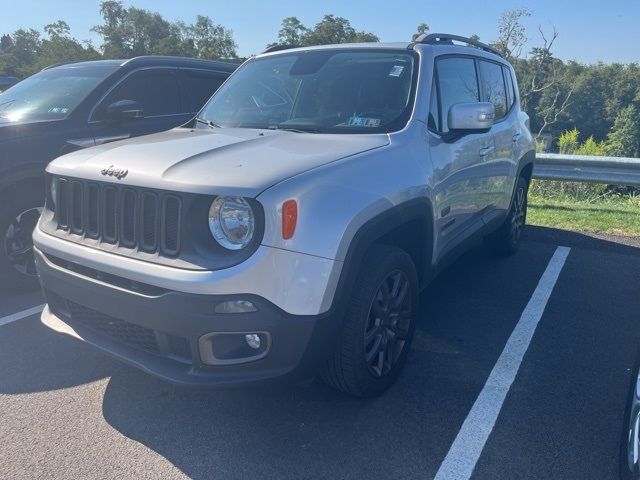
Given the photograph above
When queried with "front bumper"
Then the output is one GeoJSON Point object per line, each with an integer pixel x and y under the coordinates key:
{"type": "Point", "coordinates": [158, 331]}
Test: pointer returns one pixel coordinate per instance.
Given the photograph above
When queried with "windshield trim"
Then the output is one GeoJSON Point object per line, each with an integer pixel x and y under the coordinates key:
{"type": "Point", "coordinates": [395, 126]}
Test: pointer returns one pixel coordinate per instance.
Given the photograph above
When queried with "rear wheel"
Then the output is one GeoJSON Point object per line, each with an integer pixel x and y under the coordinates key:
{"type": "Point", "coordinates": [378, 327]}
{"type": "Point", "coordinates": [506, 240]}
{"type": "Point", "coordinates": [19, 214]}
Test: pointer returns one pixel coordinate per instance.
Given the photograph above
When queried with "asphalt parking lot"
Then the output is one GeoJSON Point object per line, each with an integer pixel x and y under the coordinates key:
{"type": "Point", "coordinates": [68, 411]}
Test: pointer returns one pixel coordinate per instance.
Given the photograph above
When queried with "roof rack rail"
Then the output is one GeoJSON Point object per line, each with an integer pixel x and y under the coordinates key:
{"type": "Point", "coordinates": [447, 39]}
{"type": "Point", "coordinates": [277, 48]}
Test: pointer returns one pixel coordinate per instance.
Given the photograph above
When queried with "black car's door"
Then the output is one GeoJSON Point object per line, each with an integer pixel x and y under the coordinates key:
{"type": "Point", "coordinates": [156, 91]}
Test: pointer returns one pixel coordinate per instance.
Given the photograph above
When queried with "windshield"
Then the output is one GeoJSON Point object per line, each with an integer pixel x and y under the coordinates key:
{"type": "Point", "coordinates": [51, 94]}
{"type": "Point", "coordinates": [333, 91]}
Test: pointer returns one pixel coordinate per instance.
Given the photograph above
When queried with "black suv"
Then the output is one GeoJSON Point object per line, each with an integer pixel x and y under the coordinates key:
{"type": "Point", "coordinates": [76, 105]}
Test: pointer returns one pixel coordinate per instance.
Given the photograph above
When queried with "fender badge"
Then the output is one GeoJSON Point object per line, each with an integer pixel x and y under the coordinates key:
{"type": "Point", "coordinates": [119, 173]}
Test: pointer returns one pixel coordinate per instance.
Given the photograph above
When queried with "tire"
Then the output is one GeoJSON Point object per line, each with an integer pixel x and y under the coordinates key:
{"type": "Point", "coordinates": [630, 466]}
{"type": "Point", "coordinates": [365, 366]}
{"type": "Point", "coordinates": [506, 239]}
{"type": "Point", "coordinates": [19, 213]}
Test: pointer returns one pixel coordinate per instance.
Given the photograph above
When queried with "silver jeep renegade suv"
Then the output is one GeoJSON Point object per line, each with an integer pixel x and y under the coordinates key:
{"type": "Point", "coordinates": [288, 229]}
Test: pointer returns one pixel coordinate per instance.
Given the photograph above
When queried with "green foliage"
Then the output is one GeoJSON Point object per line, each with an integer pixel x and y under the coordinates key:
{"type": "Point", "coordinates": [291, 32]}
{"type": "Point", "coordinates": [616, 215]}
{"type": "Point", "coordinates": [130, 32]}
{"type": "Point", "coordinates": [329, 30]}
{"type": "Point", "coordinates": [568, 142]}
{"type": "Point", "coordinates": [591, 147]}
{"type": "Point", "coordinates": [420, 30]}
{"type": "Point", "coordinates": [624, 139]}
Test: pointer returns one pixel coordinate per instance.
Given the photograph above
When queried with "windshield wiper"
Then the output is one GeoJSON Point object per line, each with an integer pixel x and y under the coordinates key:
{"type": "Point", "coordinates": [294, 129]}
{"type": "Point", "coordinates": [208, 123]}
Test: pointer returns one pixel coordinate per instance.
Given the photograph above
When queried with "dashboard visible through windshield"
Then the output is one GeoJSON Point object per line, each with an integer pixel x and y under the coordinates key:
{"type": "Point", "coordinates": [332, 91]}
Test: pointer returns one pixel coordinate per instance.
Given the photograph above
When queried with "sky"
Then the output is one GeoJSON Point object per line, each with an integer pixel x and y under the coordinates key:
{"type": "Point", "coordinates": [588, 32]}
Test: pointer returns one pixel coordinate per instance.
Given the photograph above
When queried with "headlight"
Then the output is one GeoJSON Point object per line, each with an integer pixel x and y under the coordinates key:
{"type": "Point", "coordinates": [231, 222]}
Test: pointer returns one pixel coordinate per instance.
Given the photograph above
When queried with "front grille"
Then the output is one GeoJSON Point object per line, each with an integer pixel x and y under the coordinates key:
{"type": "Point", "coordinates": [121, 216]}
{"type": "Point", "coordinates": [125, 332]}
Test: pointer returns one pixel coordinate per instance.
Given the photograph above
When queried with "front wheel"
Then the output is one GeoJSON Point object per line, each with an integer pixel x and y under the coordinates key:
{"type": "Point", "coordinates": [378, 327]}
{"type": "Point", "coordinates": [506, 240]}
{"type": "Point", "coordinates": [19, 214]}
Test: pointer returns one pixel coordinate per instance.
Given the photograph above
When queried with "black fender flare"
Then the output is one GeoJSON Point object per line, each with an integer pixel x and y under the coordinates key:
{"type": "Point", "coordinates": [374, 230]}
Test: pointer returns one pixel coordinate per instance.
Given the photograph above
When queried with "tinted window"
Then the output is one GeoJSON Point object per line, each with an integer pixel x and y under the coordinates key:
{"type": "Point", "coordinates": [458, 84]}
{"type": "Point", "coordinates": [511, 98]}
{"type": "Point", "coordinates": [337, 91]}
{"type": "Point", "coordinates": [51, 94]}
{"type": "Point", "coordinates": [199, 86]}
{"type": "Point", "coordinates": [494, 88]}
{"type": "Point", "coordinates": [155, 90]}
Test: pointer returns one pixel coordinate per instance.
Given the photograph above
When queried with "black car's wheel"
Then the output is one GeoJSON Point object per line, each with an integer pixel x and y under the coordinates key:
{"type": "Point", "coordinates": [378, 326]}
{"type": "Point", "coordinates": [19, 215]}
{"type": "Point", "coordinates": [630, 439]}
{"type": "Point", "coordinates": [506, 240]}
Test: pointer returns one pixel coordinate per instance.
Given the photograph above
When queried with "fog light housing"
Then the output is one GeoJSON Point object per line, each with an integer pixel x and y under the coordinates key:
{"type": "Point", "coordinates": [232, 348]}
{"type": "Point", "coordinates": [253, 340]}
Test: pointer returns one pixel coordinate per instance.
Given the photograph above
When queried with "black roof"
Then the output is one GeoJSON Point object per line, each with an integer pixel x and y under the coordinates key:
{"type": "Point", "coordinates": [155, 60]}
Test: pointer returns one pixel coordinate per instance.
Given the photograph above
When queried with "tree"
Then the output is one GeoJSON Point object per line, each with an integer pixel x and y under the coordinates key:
{"type": "Point", "coordinates": [291, 32]}
{"type": "Point", "coordinates": [422, 29]}
{"type": "Point", "coordinates": [129, 32]}
{"type": "Point", "coordinates": [624, 139]}
{"type": "Point", "coordinates": [211, 40]}
{"type": "Point", "coordinates": [511, 33]}
{"type": "Point", "coordinates": [332, 29]}
{"type": "Point", "coordinates": [329, 30]}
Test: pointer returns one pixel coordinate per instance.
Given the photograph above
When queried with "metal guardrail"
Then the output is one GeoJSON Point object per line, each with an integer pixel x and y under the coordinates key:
{"type": "Point", "coordinates": [586, 168]}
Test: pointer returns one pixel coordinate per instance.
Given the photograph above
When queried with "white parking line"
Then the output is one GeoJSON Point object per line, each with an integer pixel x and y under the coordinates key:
{"type": "Point", "coordinates": [470, 441]}
{"type": "Point", "coordinates": [20, 315]}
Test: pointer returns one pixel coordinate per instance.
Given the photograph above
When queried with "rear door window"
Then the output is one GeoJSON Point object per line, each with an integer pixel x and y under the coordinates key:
{"type": "Point", "coordinates": [494, 89]}
{"type": "Point", "coordinates": [199, 85]}
{"type": "Point", "coordinates": [511, 97]}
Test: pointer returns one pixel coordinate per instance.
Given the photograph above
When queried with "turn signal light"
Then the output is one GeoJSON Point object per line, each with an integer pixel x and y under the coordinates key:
{"type": "Point", "coordinates": [289, 218]}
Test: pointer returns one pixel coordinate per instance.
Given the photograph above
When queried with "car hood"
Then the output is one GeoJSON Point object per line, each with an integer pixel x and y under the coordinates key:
{"type": "Point", "coordinates": [213, 161]}
{"type": "Point", "coordinates": [25, 128]}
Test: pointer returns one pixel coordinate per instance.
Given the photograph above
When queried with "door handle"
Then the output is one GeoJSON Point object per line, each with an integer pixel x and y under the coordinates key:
{"type": "Point", "coordinates": [486, 151]}
{"type": "Point", "coordinates": [516, 137]}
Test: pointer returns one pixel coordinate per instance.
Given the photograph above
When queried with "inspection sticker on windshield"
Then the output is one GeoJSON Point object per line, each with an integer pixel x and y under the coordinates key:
{"type": "Point", "coordinates": [396, 71]}
{"type": "Point", "coordinates": [363, 122]}
{"type": "Point", "coordinates": [58, 110]}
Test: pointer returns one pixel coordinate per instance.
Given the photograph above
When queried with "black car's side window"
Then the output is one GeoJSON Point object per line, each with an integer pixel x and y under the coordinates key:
{"type": "Point", "coordinates": [458, 83]}
{"type": "Point", "coordinates": [493, 87]}
{"type": "Point", "coordinates": [199, 86]}
{"type": "Point", "coordinates": [156, 91]}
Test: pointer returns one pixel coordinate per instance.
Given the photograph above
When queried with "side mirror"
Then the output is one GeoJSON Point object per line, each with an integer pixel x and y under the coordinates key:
{"type": "Point", "coordinates": [123, 109]}
{"type": "Point", "coordinates": [476, 117]}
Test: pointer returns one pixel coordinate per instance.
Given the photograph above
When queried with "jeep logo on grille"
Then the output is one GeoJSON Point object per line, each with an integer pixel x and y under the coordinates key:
{"type": "Point", "coordinates": [119, 173]}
